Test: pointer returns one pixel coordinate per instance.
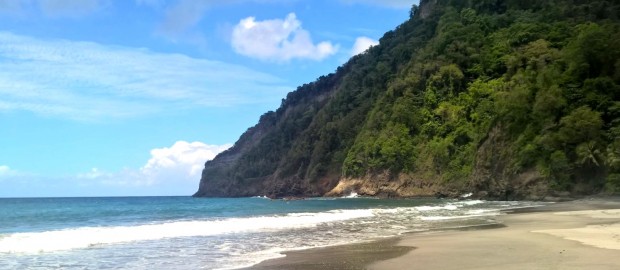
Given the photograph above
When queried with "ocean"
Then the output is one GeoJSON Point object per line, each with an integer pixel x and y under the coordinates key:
{"type": "Point", "coordinates": [201, 233]}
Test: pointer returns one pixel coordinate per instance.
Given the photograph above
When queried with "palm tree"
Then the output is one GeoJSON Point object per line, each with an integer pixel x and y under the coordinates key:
{"type": "Point", "coordinates": [588, 153]}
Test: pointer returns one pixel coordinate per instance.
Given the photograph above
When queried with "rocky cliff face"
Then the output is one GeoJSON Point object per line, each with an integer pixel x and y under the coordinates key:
{"type": "Point", "coordinates": [253, 166]}
{"type": "Point", "coordinates": [503, 99]}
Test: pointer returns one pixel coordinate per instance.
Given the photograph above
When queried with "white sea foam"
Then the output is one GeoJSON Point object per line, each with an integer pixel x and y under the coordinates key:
{"type": "Point", "coordinates": [435, 208]}
{"type": "Point", "coordinates": [437, 218]}
{"type": "Point", "coordinates": [467, 195]}
{"type": "Point", "coordinates": [434, 218]}
{"type": "Point", "coordinates": [86, 237]}
{"type": "Point", "coordinates": [352, 195]}
{"type": "Point", "coordinates": [254, 258]}
{"type": "Point", "coordinates": [472, 202]}
{"type": "Point", "coordinates": [481, 211]}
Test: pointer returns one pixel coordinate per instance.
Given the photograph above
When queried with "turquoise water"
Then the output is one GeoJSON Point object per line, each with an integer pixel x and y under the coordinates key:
{"type": "Point", "coordinates": [198, 233]}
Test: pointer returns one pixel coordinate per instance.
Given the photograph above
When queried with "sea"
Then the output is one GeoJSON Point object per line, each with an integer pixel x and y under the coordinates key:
{"type": "Point", "coordinates": [208, 233]}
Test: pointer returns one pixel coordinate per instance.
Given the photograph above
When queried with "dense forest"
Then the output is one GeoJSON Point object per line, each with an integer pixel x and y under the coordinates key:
{"type": "Point", "coordinates": [506, 99]}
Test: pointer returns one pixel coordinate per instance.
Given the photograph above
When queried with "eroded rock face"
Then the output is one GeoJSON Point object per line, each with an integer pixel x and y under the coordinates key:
{"type": "Point", "coordinates": [494, 178]}
{"type": "Point", "coordinates": [403, 186]}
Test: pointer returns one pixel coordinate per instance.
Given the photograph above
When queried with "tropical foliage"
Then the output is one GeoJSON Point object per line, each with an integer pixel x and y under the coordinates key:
{"type": "Point", "coordinates": [544, 73]}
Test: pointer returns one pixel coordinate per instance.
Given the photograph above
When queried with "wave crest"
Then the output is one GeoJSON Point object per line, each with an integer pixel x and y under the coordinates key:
{"type": "Point", "coordinates": [85, 237]}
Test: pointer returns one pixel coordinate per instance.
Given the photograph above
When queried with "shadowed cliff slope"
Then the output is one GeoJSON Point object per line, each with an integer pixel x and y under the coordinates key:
{"type": "Point", "coordinates": [505, 99]}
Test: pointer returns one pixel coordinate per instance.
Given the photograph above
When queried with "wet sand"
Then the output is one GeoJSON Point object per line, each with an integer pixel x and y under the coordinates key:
{"type": "Point", "coordinates": [346, 257]}
{"type": "Point", "coordinates": [581, 234]}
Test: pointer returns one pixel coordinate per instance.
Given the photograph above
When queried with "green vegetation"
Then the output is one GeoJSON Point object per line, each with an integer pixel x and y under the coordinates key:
{"type": "Point", "coordinates": [543, 77]}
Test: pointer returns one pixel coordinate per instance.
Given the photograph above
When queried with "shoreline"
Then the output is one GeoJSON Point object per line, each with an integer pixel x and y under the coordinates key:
{"type": "Point", "coordinates": [579, 234]}
{"type": "Point", "coordinates": [348, 256]}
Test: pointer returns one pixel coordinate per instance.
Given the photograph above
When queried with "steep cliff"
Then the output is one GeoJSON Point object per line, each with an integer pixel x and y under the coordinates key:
{"type": "Point", "coordinates": [506, 99]}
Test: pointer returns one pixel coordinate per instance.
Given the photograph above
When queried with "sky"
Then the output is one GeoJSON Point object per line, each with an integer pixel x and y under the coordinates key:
{"type": "Point", "coordinates": [132, 97]}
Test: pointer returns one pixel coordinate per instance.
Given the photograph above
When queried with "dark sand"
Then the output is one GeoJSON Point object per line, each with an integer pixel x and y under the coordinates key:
{"type": "Point", "coordinates": [581, 234]}
{"type": "Point", "coordinates": [356, 256]}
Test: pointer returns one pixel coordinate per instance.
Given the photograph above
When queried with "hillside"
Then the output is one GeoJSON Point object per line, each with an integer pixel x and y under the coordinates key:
{"type": "Point", "coordinates": [506, 99]}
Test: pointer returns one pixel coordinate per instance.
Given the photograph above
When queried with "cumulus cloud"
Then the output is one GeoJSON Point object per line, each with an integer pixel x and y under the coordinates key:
{"type": "Point", "coordinates": [180, 164]}
{"type": "Point", "coordinates": [182, 161]}
{"type": "Point", "coordinates": [362, 44]}
{"type": "Point", "coordinates": [278, 40]}
{"type": "Point", "coordinates": [385, 3]}
{"type": "Point", "coordinates": [173, 170]}
{"type": "Point", "coordinates": [91, 81]}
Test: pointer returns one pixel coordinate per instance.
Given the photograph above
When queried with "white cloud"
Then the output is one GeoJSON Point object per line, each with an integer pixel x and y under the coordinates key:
{"type": "Point", "coordinates": [90, 81]}
{"type": "Point", "coordinates": [362, 44]}
{"type": "Point", "coordinates": [183, 160]}
{"type": "Point", "coordinates": [6, 171]}
{"type": "Point", "coordinates": [178, 165]}
{"type": "Point", "coordinates": [173, 170]}
{"type": "Point", "coordinates": [385, 3]}
{"type": "Point", "coordinates": [93, 174]}
{"type": "Point", "coordinates": [278, 40]}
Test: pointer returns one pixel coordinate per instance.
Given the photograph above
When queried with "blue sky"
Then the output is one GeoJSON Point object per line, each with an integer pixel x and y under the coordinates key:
{"type": "Point", "coordinates": [131, 97]}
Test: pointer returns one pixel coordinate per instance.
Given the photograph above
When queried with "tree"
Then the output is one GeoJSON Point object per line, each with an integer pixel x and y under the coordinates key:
{"type": "Point", "coordinates": [581, 125]}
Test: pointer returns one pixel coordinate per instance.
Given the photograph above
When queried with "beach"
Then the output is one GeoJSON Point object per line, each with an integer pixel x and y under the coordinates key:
{"type": "Point", "coordinates": [580, 234]}
{"type": "Point", "coordinates": [223, 233]}
{"type": "Point", "coordinates": [316, 233]}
